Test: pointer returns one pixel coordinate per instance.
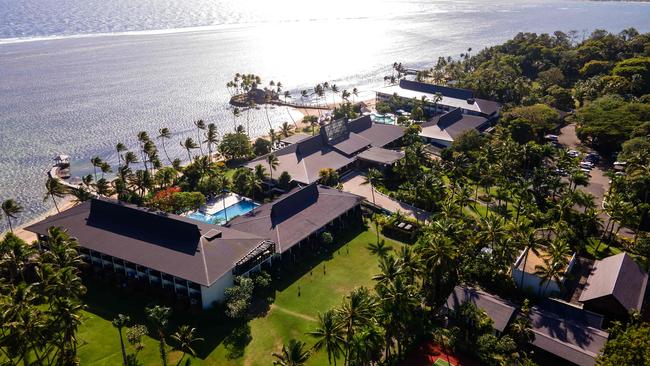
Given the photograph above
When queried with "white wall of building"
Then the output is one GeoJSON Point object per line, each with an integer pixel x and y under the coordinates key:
{"type": "Point", "coordinates": [216, 292]}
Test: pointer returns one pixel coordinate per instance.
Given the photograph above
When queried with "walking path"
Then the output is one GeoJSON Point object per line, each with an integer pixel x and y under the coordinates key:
{"type": "Point", "coordinates": [353, 183]}
{"type": "Point", "coordinates": [296, 314]}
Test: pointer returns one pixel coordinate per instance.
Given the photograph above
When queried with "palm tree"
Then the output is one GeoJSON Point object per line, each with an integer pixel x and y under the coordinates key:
{"type": "Point", "coordinates": [335, 91]}
{"type": "Point", "coordinates": [130, 158]}
{"type": "Point", "coordinates": [120, 148]}
{"type": "Point", "coordinates": [328, 335]}
{"type": "Point", "coordinates": [11, 208]}
{"type": "Point", "coordinates": [120, 322]}
{"type": "Point", "coordinates": [165, 134]}
{"type": "Point", "coordinates": [105, 168]}
{"type": "Point", "coordinates": [357, 310]}
{"type": "Point", "coordinates": [528, 239]}
{"type": "Point", "coordinates": [143, 138]}
{"type": "Point", "coordinates": [54, 189]}
{"type": "Point", "coordinates": [273, 162]}
{"type": "Point", "coordinates": [185, 336]}
{"type": "Point", "coordinates": [550, 271]}
{"type": "Point", "coordinates": [200, 125]}
{"type": "Point", "coordinates": [260, 172]}
{"type": "Point", "coordinates": [372, 177]}
{"type": "Point", "coordinates": [103, 188]}
{"type": "Point", "coordinates": [96, 162]}
{"type": "Point", "coordinates": [285, 129]}
{"type": "Point", "coordinates": [189, 145]}
{"type": "Point", "coordinates": [211, 138]}
{"type": "Point", "coordinates": [293, 354]}
{"type": "Point", "coordinates": [159, 317]}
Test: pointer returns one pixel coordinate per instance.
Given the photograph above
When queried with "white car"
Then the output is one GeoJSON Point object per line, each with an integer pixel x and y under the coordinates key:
{"type": "Point", "coordinates": [573, 153]}
{"type": "Point", "coordinates": [586, 165]}
{"type": "Point", "coordinates": [586, 171]}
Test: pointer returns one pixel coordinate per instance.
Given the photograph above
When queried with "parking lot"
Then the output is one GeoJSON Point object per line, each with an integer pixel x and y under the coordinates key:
{"type": "Point", "coordinates": [598, 181]}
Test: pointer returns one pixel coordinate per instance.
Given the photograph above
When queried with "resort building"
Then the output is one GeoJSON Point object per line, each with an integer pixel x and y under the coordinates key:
{"type": "Point", "coordinates": [567, 333]}
{"type": "Point", "coordinates": [339, 145]}
{"type": "Point", "coordinates": [442, 130]}
{"type": "Point", "coordinates": [451, 98]}
{"type": "Point", "coordinates": [613, 286]}
{"type": "Point", "coordinates": [524, 274]}
{"type": "Point", "coordinates": [300, 216]}
{"type": "Point", "coordinates": [191, 259]}
{"type": "Point", "coordinates": [293, 139]}
{"type": "Point", "coordinates": [497, 309]}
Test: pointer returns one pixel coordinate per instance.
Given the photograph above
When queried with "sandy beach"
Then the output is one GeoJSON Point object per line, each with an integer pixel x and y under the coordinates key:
{"type": "Point", "coordinates": [30, 237]}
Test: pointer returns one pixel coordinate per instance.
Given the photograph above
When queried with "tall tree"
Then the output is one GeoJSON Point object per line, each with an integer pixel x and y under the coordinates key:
{"type": "Point", "coordinates": [165, 134]}
{"type": "Point", "coordinates": [159, 317]}
{"type": "Point", "coordinates": [292, 354]}
{"type": "Point", "coordinates": [200, 126]}
{"type": "Point", "coordinates": [273, 162]}
{"type": "Point", "coordinates": [185, 336]}
{"type": "Point", "coordinates": [189, 145]}
{"type": "Point", "coordinates": [11, 208]}
{"type": "Point", "coordinates": [54, 189]}
{"type": "Point", "coordinates": [328, 335]}
{"type": "Point", "coordinates": [120, 322]}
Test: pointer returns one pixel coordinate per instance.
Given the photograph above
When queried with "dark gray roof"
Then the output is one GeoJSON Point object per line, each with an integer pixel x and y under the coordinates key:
{"type": "Point", "coordinates": [381, 155]}
{"type": "Point", "coordinates": [305, 159]}
{"type": "Point", "coordinates": [500, 311]}
{"type": "Point", "coordinates": [433, 89]}
{"type": "Point", "coordinates": [350, 145]}
{"type": "Point", "coordinates": [296, 215]}
{"type": "Point", "coordinates": [452, 124]}
{"type": "Point", "coordinates": [168, 243]}
{"type": "Point", "coordinates": [379, 134]}
{"type": "Point", "coordinates": [295, 138]}
{"type": "Point", "coordinates": [567, 338]}
{"type": "Point", "coordinates": [487, 107]}
{"type": "Point", "coordinates": [620, 277]}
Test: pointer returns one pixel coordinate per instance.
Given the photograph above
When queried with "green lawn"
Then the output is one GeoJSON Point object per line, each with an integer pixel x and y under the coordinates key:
{"type": "Point", "coordinates": [291, 314]}
{"type": "Point", "coordinates": [441, 362]}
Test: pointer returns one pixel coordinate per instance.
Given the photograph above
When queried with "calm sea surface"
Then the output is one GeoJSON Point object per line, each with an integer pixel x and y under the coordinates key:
{"type": "Point", "coordinates": [77, 76]}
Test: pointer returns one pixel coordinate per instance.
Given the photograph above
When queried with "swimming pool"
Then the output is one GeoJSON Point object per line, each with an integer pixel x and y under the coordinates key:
{"type": "Point", "coordinates": [220, 217]}
{"type": "Point", "coordinates": [383, 118]}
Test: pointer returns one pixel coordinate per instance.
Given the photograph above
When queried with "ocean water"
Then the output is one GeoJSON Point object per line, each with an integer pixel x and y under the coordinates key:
{"type": "Point", "coordinates": [78, 76]}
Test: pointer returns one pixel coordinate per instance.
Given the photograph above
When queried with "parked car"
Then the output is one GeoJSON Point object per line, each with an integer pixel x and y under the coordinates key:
{"type": "Point", "coordinates": [586, 164]}
{"type": "Point", "coordinates": [574, 153]}
{"type": "Point", "coordinates": [551, 137]}
{"type": "Point", "coordinates": [593, 157]}
{"type": "Point", "coordinates": [586, 171]}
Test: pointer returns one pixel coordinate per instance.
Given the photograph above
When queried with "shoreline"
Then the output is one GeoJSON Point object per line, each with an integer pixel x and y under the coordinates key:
{"type": "Point", "coordinates": [29, 237]}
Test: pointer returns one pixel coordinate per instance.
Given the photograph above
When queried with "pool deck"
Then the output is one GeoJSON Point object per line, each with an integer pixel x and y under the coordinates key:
{"type": "Point", "coordinates": [217, 204]}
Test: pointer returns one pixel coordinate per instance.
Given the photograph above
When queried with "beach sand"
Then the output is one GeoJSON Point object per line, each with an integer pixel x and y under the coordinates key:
{"type": "Point", "coordinates": [30, 237]}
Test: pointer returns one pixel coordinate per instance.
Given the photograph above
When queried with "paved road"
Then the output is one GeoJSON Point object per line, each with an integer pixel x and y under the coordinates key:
{"type": "Point", "coordinates": [353, 183]}
{"type": "Point", "coordinates": [599, 182]}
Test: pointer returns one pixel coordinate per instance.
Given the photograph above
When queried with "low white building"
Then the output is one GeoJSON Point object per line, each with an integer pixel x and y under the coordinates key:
{"type": "Point", "coordinates": [524, 273]}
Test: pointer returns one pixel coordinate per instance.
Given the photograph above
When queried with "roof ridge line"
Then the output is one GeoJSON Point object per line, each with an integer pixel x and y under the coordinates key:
{"type": "Point", "coordinates": [205, 264]}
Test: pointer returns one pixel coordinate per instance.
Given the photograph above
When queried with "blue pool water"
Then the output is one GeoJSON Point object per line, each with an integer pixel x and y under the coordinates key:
{"type": "Point", "coordinates": [238, 209]}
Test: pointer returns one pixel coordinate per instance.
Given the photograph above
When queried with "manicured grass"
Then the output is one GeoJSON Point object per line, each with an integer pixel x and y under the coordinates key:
{"type": "Point", "coordinates": [603, 250]}
{"type": "Point", "coordinates": [441, 362]}
{"type": "Point", "coordinates": [300, 296]}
